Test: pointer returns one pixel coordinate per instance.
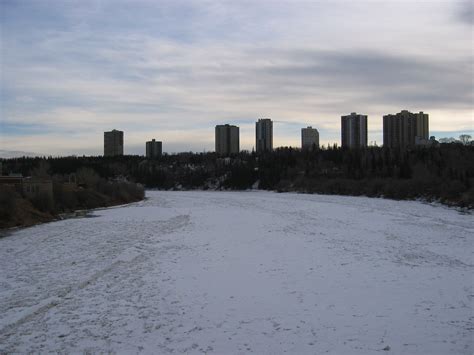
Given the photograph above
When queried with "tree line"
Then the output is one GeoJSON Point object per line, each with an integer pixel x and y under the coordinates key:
{"type": "Point", "coordinates": [442, 173]}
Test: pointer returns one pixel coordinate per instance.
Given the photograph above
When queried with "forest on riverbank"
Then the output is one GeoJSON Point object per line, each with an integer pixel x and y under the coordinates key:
{"type": "Point", "coordinates": [43, 197]}
{"type": "Point", "coordinates": [443, 173]}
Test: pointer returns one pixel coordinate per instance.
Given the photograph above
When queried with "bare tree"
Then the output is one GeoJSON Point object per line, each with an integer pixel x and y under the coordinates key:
{"type": "Point", "coordinates": [447, 140]}
{"type": "Point", "coordinates": [88, 177]}
{"type": "Point", "coordinates": [42, 170]}
{"type": "Point", "coordinates": [465, 138]}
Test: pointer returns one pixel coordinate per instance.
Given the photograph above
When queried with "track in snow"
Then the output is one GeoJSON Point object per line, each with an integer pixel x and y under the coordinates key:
{"type": "Point", "coordinates": [242, 272]}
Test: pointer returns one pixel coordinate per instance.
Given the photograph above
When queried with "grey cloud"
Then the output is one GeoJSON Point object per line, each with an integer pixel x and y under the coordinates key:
{"type": "Point", "coordinates": [466, 12]}
{"type": "Point", "coordinates": [383, 78]}
{"type": "Point", "coordinates": [191, 79]}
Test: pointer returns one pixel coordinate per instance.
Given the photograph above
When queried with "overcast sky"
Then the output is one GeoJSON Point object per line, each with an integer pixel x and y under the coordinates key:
{"type": "Point", "coordinates": [172, 70]}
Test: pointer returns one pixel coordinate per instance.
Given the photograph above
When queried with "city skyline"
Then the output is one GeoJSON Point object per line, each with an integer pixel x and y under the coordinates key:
{"type": "Point", "coordinates": [173, 69]}
{"type": "Point", "coordinates": [413, 129]}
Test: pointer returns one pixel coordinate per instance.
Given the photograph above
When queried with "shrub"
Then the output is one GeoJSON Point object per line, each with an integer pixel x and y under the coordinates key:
{"type": "Point", "coordinates": [43, 202]}
{"type": "Point", "coordinates": [8, 198]}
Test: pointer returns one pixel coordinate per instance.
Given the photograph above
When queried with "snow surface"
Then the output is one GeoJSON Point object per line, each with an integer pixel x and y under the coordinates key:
{"type": "Point", "coordinates": [242, 272]}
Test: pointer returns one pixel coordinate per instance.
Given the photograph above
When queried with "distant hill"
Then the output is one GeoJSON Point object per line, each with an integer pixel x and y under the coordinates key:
{"type": "Point", "coordinates": [7, 154]}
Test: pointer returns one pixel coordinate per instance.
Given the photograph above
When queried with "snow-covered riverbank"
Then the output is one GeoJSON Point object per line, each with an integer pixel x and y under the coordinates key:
{"type": "Point", "coordinates": [242, 272]}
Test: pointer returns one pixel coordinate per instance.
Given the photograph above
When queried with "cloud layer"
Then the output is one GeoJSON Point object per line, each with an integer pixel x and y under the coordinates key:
{"type": "Point", "coordinates": [173, 70]}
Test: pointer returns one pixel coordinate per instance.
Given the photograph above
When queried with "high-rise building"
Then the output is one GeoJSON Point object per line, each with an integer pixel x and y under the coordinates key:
{"type": "Point", "coordinates": [113, 143]}
{"type": "Point", "coordinates": [264, 135]}
{"type": "Point", "coordinates": [309, 138]}
{"type": "Point", "coordinates": [354, 131]}
{"type": "Point", "coordinates": [405, 129]}
{"type": "Point", "coordinates": [153, 149]}
{"type": "Point", "coordinates": [227, 139]}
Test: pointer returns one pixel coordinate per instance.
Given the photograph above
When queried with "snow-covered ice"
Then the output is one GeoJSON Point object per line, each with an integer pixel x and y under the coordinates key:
{"type": "Point", "coordinates": [242, 272]}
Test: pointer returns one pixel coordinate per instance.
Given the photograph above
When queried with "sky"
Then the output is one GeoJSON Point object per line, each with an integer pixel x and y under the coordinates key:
{"type": "Point", "coordinates": [172, 70]}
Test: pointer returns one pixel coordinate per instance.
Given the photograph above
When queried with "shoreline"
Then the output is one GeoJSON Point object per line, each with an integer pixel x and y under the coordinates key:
{"type": "Point", "coordinates": [85, 213]}
{"type": "Point", "coordinates": [81, 213]}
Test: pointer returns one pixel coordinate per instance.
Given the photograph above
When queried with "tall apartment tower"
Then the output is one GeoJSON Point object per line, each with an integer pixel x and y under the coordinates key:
{"type": "Point", "coordinates": [227, 139]}
{"type": "Point", "coordinates": [405, 129]}
{"type": "Point", "coordinates": [264, 135]}
{"type": "Point", "coordinates": [113, 143]}
{"type": "Point", "coordinates": [309, 138]}
{"type": "Point", "coordinates": [153, 149]}
{"type": "Point", "coordinates": [354, 131]}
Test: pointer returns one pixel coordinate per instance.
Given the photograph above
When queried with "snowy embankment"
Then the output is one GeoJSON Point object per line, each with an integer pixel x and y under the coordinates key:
{"type": "Point", "coordinates": [242, 272]}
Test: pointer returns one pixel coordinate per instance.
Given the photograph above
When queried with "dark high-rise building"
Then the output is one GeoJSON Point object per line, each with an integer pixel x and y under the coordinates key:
{"type": "Point", "coordinates": [264, 135]}
{"type": "Point", "coordinates": [227, 139]}
{"type": "Point", "coordinates": [113, 143]}
{"type": "Point", "coordinates": [354, 131]}
{"type": "Point", "coordinates": [309, 138]}
{"type": "Point", "coordinates": [405, 129]}
{"type": "Point", "coordinates": [153, 149]}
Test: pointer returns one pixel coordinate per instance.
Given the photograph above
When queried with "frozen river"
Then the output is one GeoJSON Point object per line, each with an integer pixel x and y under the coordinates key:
{"type": "Point", "coordinates": [243, 272]}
